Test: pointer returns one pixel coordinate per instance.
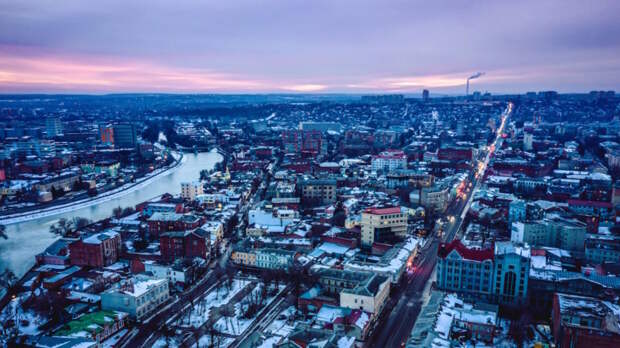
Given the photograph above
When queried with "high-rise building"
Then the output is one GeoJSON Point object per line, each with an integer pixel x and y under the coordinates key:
{"type": "Point", "coordinates": [425, 95]}
{"type": "Point", "coordinates": [125, 135]}
{"type": "Point", "coordinates": [528, 139]}
{"type": "Point", "coordinates": [383, 225]}
{"type": "Point", "coordinates": [106, 134]}
{"type": "Point", "coordinates": [53, 127]}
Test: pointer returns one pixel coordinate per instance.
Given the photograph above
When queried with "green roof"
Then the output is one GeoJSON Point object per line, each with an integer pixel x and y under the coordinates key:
{"type": "Point", "coordinates": [92, 322]}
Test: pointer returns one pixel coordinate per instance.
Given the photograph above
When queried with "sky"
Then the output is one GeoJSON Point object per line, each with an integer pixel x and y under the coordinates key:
{"type": "Point", "coordinates": [350, 46]}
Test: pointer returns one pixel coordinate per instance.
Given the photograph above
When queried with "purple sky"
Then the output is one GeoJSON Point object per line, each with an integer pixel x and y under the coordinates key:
{"type": "Point", "coordinates": [317, 46]}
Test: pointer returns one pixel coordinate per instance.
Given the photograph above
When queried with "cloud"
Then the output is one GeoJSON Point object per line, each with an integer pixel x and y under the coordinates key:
{"type": "Point", "coordinates": [104, 74]}
{"type": "Point", "coordinates": [306, 88]}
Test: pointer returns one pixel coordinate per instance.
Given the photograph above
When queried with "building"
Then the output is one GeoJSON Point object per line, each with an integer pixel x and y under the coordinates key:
{"type": "Point", "coordinates": [189, 190]}
{"type": "Point", "coordinates": [53, 127]}
{"type": "Point", "coordinates": [175, 273]}
{"type": "Point", "coordinates": [61, 182]}
{"type": "Point", "coordinates": [98, 250]}
{"type": "Point", "coordinates": [528, 140]}
{"type": "Point", "coordinates": [389, 160]}
{"type": "Point", "coordinates": [320, 126]}
{"type": "Point", "coordinates": [215, 229]}
{"type": "Point", "coordinates": [138, 296]}
{"type": "Point", "coordinates": [106, 134]}
{"type": "Point", "coordinates": [185, 244]}
{"type": "Point", "coordinates": [152, 208]}
{"type": "Point", "coordinates": [274, 259]}
{"type": "Point", "coordinates": [383, 225]}
{"type": "Point", "coordinates": [448, 321]}
{"type": "Point", "coordinates": [553, 231]}
{"type": "Point", "coordinates": [125, 136]}
{"type": "Point", "coordinates": [369, 295]}
{"type": "Point", "coordinates": [601, 250]}
{"type": "Point", "coordinates": [392, 264]}
{"type": "Point", "coordinates": [99, 326]}
{"type": "Point", "coordinates": [243, 256]}
{"type": "Point", "coordinates": [291, 141]}
{"type": "Point", "coordinates": [318, 191]}
{"type": "Point", "coordinates": [167, 222]}
{"type": "Point", "coordinates": [585, 322]}
{"type": "Point", "coordinates": [425, 95]}
{"type": "Point", "coordinates": [436, 197]}
{"type": "Point", "coordinates": [498, 275]}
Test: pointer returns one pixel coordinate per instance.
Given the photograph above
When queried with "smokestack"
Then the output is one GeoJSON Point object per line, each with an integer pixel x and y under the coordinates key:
{"type": "Point", "coordinates": [472, 77]}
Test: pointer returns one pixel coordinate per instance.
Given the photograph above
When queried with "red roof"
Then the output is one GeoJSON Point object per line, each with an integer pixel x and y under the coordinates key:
{"type": "Point", "coordinates": [383, 211]}
{"type": "Point", "coordinates": [466, 253]}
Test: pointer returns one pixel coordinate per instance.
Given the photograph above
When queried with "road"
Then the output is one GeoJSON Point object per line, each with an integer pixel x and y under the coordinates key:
{"type": "Point", "coordinates": [393, 330]}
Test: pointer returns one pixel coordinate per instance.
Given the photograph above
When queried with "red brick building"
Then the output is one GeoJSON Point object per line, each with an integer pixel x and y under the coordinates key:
{"type": "Point", "coordinates": [98, 250]}
{"type": "Point", "coordinates": [185, 244]}
{"type": "Point", "coordinates": [160, 223]}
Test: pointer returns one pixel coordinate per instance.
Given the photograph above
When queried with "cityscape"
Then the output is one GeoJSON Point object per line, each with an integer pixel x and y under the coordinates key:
{"type": "Point", "coordinates": [309, 175]}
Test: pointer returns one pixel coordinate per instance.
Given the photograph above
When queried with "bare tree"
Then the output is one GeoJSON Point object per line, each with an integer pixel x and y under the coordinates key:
{"type": "Point", "coordinates": [117, 212]}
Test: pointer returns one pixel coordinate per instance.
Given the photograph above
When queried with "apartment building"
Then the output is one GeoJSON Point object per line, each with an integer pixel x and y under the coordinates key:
{"type": "Point", "coordinates": [383, 225]}
{"type": "Point", "coordinates": [494, 275]}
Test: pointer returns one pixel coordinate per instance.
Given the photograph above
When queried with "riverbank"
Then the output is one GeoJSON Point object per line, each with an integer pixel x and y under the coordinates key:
{"type": "Point", "coordinates": [86, 202]}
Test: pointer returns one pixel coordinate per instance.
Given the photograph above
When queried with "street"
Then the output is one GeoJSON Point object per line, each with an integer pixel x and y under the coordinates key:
{"type": "Point", "coordinates": [394, 330]}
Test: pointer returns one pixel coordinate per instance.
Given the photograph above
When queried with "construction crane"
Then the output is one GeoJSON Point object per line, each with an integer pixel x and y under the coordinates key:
{"type": "Point", "coordinates": [472, 77]}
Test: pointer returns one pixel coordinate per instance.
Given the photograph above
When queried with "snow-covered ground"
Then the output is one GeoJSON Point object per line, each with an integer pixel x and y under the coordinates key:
{"type": "Point", "coordinates": [237, 324]}
{"type": "Point", "coordinates": [27, 322]}
{"type": "Point", "coordinates": [87, 202]}
{"type": "Point", "coordinates": [280, 327]}
{"type": "Point", "coordinates": [215, 298]}
{"type": "Point", "coordinates": [218, 341]}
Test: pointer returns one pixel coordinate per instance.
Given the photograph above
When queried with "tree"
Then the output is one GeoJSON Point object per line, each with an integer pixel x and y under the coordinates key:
{"type": "Point", "coordinates": [128, 211]}
{"type": "Point", "coordinates": [80, 222]}
{"type": "Point", "coordinates": [117, 212]}
{"type": "Point", "coordinates": [62, 228]}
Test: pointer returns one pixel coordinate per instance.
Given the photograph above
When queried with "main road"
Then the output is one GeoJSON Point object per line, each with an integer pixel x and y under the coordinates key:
{"type": "Point", "coordinates": [405, 304]}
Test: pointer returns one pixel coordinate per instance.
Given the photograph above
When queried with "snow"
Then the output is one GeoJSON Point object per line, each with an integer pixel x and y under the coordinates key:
{"type": "Point", "coordinates": [140, 287]}
{"type": "Point", "coordinates": [279, 327]}
{"type": "Point", "coordinates": [237, 324]}
{"type": "Point", "coordinates": [27, 321]}
{"type": "Point", "coordinates": [270, 342]}
{"type": "Point", "coordinates": [346, 342]}
{"type": "Point", "coordinates": [215, 298]}
{"type": "Point", "coordinates": [218, 341]}
{"type": "Point", "coordinates": [333, 248]}
{"type": "Point", "coordinates": [234, 325]}
{"type": "Point", "coordinates": [362, 321]}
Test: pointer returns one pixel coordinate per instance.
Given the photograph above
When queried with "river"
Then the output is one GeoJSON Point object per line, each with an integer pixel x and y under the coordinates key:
{"type": "Point", "coordinates": [26, 239]}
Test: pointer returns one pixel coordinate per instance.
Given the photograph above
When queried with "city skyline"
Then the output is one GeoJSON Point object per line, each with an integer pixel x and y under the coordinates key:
{"type": "Point", "coordinates": [318, 47]}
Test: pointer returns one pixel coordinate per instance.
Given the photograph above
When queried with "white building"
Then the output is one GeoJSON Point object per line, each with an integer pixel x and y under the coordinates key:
{"type": "Point", "coordinates": [389, 160]}
{"type": "Point", "coordinates": [138, 296]}
{"type": "Point", "coordinates": [189, 190]}
{"type": "Point", "coordinates": [173, 274]}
